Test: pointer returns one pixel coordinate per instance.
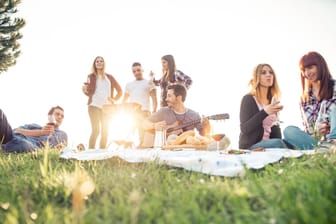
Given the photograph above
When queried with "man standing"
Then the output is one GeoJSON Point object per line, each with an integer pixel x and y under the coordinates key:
{"type": "Point", "coordinates": [140, 92]}
{"type": "Point", "coordinates": [31, 137]}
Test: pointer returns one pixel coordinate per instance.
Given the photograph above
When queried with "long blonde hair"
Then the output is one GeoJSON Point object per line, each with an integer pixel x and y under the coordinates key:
{"type": "Point", "coordinates": [94, 69]}
{"type": "Point", "coordinates": [254, 84]}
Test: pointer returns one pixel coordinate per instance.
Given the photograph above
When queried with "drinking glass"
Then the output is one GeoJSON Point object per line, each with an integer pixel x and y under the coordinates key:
{"type": "Point", "coordinates": [51, 120]}
{"type": "Point", "coordinates": [151, 77]}
{"type": "Point", "coordinates": [217, 132]}
{"type": "Point", "coordinates": [274, 99]}
{"type": "Point", "coordinates": [321, 118]}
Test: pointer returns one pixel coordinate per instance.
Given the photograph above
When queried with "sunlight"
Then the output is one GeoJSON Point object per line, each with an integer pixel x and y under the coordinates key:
{"type": "Point", "coordinates": [122, 125]}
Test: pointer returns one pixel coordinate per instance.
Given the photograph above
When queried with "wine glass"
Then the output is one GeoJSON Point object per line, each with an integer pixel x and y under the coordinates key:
{"type": "Point", "coordinates": [321, 119]}
{"type": "Point", "coordinates": [51, 120]}
{"type": "Point", "coordinates": [151, 77]}
{"type": "Point", "coordinates": [217, 132]}
{"type": "Point", "coordinates": [274, 99]}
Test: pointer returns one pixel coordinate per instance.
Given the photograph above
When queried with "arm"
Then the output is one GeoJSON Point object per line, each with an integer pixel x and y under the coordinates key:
{"type": "Point", "coordinates": [156, 118]}
{"type": "Point", "coordinates": [115, 85]}
{"type": "Point", "coordinates": [153, 96]}
{"type": "Point", "coordinates": [206, 128]}
{"type": "Point", "coordinates": [250, 117]}
{"type": "Point", "coordinates": [46, 130]}
{"type": "Point", "coordinates": [89, 88]}
{"type": "Point", "coordinates": [183, 79]}
{"type": "Point", "coordinates": [125, 99]}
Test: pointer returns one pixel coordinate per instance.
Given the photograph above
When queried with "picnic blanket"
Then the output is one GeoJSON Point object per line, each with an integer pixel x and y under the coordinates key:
{"type": "Point", "coordinates": [207, 162]}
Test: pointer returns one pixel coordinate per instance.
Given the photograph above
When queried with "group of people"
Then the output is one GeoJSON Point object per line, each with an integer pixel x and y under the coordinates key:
{"type": "Point", "coordinates": [259, 125]}
{"type": "Point", "coordinates": [259, 109]}
{"type": "Point", "coordinates": [139, 92]}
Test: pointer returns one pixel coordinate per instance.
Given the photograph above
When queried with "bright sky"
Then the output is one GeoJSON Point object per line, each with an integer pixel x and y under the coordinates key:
{"type": "Point", "coordinates": [215, 42]}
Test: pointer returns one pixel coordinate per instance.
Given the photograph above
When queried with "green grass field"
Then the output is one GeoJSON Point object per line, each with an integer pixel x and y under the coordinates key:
{"type": "Point", "coordinates": [41, 188]}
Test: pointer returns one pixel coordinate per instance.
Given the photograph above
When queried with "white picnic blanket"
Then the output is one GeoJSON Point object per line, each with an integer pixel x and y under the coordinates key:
{"type": "Point", "coordinates": [208, 162]}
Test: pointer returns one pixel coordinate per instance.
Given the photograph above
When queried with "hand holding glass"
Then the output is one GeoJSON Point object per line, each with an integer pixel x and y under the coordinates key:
{"type": "Point", "coordinates": [51, 120]}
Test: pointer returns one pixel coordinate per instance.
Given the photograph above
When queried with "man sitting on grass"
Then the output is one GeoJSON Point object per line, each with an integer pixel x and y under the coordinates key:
{"type": "Point", "coordinates": [32, 137]}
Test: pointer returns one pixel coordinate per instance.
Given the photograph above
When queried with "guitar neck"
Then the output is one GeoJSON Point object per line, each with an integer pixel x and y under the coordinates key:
{"type": "Point", "coordinates": [171, 129]}
{"type": "Point", "coordinates": [194, 122]}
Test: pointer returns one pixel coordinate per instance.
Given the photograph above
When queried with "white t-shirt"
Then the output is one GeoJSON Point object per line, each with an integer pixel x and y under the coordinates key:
{"type": "Point", "coordinates": [138, 91]}
{"type": "Point", "coordinates": [102, 92]}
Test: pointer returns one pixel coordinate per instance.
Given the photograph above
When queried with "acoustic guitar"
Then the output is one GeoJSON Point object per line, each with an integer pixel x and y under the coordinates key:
{"type": "Point", "coordinates": [149, 136]}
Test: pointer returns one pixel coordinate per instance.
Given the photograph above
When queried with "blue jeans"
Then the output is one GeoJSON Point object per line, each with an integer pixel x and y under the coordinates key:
{"type": "Point", "coordinates": [298, 139]}
{"type": "Point", "coordinates": [11, 142]}
{"type": "Point", "coordinates": [270, 143]}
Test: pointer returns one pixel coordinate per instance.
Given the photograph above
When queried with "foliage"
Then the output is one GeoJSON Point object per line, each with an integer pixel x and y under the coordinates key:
{"type": "Point", "coordinates": [9, 33]}
{"type": "Point", "coordinates": [41, 188]}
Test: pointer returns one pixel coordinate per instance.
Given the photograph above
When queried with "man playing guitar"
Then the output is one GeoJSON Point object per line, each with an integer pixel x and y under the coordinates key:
{"type": "Point", "coordinates": [176, 114]}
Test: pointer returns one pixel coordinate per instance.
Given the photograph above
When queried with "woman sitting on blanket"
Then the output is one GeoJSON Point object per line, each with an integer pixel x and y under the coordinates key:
{"type": "Point", "coordinates": [259, 111]}
{"type": "Point", "coordinates": [317, 104]}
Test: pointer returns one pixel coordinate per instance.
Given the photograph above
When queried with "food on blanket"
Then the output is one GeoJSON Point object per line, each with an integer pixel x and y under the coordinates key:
{"type": "Point", "coordinates": [181, 139]}
{"type": "Point", "coordinates": [260, 149]}
{"type": "Point", "coordinates": [80, 147]}
{"type": "Point", "coordinates": [224, 143]}
{"type": "Point", "coordinates": [204, 140]}
{"type": "Point", "coordinates": [171, 139]}
{"type": "Point", "coordinates": [193, 140]}
{"type": "Point", "coordinates": [197, 140]}
{"type": "Point", "coordinates": [236, 151]}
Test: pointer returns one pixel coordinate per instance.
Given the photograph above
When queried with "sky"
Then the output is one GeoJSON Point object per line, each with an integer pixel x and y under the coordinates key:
{"type": "Point", "coordinates": [217, 43]}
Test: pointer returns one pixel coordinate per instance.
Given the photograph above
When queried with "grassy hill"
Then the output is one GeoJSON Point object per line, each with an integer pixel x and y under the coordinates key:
{"type": "Point", "coordinates": [41, 188]}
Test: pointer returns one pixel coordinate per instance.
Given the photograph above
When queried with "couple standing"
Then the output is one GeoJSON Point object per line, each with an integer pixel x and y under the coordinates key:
{"type": "Point", "coordinates": [258, 112]}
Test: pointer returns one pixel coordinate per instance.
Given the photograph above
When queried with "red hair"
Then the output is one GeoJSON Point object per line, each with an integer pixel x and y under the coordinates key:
{"type": "Point", "coordinates": [324, 76]}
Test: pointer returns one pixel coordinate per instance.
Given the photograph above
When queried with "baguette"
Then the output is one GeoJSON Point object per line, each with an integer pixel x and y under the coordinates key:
{"type": "Point", "coordinates": [191, 140]}
{"type": "Point", "coordinates": [181, 139]}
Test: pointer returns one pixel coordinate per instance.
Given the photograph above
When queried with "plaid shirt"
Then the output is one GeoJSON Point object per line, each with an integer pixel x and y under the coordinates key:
{"type": "Point", "coordinates": [179, 77]}
{"type": "Point", "coordinates": [312, 110]}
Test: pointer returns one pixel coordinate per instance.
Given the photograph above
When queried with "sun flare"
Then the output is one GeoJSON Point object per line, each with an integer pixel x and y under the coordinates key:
{"type": "Point", "coordinates": [122, 125]}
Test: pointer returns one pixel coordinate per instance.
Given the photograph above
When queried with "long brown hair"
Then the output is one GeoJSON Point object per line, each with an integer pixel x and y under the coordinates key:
{"type": "Point", "coordinates": [94, 69]}
{"type": "Point", "coordinates": [171, 67]}
{"type": "Point", "coordinates": [324, 76]}
{"type": "Point", "coordinates": [254, 84]}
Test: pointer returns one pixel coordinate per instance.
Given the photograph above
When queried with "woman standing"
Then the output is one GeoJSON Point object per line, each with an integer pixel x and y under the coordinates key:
{"type": "Point", "coordinates": [170, 76]}
{"type": "Point", "coordinates": [100, 91]}
{"type": "Point", "coordinates": [317, 104]}
{"type": "Point", "coordinates": [258, 112]}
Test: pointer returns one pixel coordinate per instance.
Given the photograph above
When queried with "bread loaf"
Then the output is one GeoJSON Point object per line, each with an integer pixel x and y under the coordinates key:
{"type": "Point", "coordinates": [181, 139]}
{"type": "Point", "coordinates": [191, 140]}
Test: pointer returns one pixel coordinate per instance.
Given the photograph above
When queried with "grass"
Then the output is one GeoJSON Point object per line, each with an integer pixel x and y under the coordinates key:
{"type": "Point", "coordinates": [41, 188]}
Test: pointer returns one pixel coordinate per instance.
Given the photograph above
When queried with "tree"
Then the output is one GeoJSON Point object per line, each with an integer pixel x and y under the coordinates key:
{"type": "Point", "coordinates": [9, 34]}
